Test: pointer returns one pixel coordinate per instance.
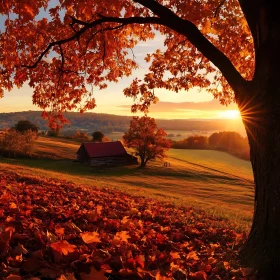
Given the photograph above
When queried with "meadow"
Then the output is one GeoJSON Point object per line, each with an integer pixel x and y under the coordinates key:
{"type": "Point", "coordinates": [213, 181]}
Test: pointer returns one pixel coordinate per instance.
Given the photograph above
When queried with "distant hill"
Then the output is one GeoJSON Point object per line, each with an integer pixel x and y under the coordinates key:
{"type": "Point", "coordinates": [108, 123]}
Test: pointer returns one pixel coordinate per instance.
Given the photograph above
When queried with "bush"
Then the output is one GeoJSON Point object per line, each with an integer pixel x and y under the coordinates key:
{"type": "Point", "coordinates": [17, 144]}
{"type": "Point", "coordinates": [97, 136]}
{"type": "Point", "coordinates": [24, 125]}
{"type": "Point", "coordinates": [81, 135]}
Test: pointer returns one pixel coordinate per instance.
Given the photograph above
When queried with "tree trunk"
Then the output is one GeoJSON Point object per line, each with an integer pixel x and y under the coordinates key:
{"type": "Point", "coordinates": [261, 117]}
{"type": "Point", "coordinates": [143, 162]}
{"type": "Point", "coordinates": [260, 110]}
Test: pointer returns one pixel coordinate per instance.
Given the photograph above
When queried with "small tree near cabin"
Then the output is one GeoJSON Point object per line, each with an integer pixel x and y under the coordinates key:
{"type": "Point", "coordinates": [146, 139]}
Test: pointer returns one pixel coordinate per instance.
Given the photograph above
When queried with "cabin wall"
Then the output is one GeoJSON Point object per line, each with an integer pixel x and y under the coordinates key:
{"type": "Point", "coordinates": [113, 160]}
{"type": "Point", "coordinates": [82, 156]}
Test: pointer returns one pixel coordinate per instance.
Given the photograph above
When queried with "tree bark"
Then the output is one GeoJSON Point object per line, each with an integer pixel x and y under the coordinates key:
{"type": "Point", "coordinates": [260, 110]}
{"type": "Point", "coordinates": [143, 162]}
{"type": "Point", "coordinates": [261, 117]}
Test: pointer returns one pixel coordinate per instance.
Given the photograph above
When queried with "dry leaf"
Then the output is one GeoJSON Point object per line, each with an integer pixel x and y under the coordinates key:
{"type": "Point", "coordinates": [90, 237]}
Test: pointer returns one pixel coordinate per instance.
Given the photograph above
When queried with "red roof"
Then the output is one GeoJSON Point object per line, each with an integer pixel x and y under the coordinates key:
{"type": "Point", "coordinates": [104, 149]}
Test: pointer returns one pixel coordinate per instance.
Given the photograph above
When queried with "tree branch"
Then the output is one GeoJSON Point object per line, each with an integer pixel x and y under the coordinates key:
{"type": "Point", "coordinates": [87, 26]}
{"type": "Point", "coordinates": [165, 17]}
{"type": "Point", "coordinates": [249, 9]}
{"type": "Point", "coordinates": [192, 33]}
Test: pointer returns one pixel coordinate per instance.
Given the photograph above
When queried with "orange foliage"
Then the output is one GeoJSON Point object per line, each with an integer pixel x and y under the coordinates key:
{"type": "Point", "coordinates": [148, 141]}
{"type": "Point", "coordinates": [50, 234]}
{"type": "Point", "coordinates": [84, 43]}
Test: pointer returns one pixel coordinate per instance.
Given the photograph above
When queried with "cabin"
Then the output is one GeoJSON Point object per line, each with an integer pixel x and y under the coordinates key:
{"type": "Point", "coordinates": [104, 154]}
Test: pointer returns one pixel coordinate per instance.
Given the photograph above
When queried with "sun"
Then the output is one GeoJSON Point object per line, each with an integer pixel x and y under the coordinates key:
{"type": "Point", "coordinates": [230, 114]}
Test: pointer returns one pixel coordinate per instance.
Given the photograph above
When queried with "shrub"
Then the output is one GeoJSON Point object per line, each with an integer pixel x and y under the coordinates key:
{"type": "Point", "coordinates": [24, 125]}
{"type": "Point", "coordinates": [17, 144]}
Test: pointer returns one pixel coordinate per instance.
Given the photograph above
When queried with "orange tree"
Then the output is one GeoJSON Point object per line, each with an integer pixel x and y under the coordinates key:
{"type": "Point", "coordinates": [146, 139]}
{"type": "Point", "coordinates": [229, 47]}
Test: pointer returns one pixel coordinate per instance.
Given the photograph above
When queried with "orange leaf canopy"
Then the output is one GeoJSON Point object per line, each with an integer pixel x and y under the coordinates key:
{"type": "Point", "coordinates": [66, 52]}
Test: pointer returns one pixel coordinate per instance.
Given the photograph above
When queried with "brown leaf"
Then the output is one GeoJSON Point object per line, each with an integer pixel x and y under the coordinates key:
{"type": "Point", "coordinates": [13, 205]}
{"type": "Point", "coordinates": [99, 209]}
{"type": "Point", "coordinates": [13, 277]}
{"type": "Point", "coordinates": [122, 236]}
{"type": "Point", "coordinates": [90, 237]}
{"type": "Point", "coordinates": [32, 265]}
{"type": "Point", "coordinates": [4, 240]}
{"type": "Point", "coordinates": [63, 247]}
{"type": "Point", "coordinates": [59, 231]}
{"type": "Point", "coordinates": [19, 249]}
{"type": "Point", "coordinates": [192, 256]}
{"type": "Point", "coordinates": [199, 275]}
{"type": "Point", "coordinates": [67, 276]}
{"type": "Point", "coordinates": [175, 255]}
{"type": "Point", "coordinates": [94, 275]}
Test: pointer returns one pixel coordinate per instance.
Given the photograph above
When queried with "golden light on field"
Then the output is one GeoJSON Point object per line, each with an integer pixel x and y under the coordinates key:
{"type": "Point", "coordinates": [230, 114]}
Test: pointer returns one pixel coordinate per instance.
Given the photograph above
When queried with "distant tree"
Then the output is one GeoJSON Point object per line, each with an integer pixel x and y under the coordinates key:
{"type": "Point", "coordinates": [24, 125]}
{"type": "Point", "coordinates": [213, 139]}
{"type": "Point", "coordinates": [197, 142]}
{"type": "Point", "coordinates": [97, 136]}
{"type": "Point", "coordinates": [148, 141]}
{"type": "Point", "coordinates": [228, 141]}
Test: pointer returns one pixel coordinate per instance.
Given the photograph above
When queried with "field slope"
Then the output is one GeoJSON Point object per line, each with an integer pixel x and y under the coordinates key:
{"type": "Point", "coordinates": [214, 181]}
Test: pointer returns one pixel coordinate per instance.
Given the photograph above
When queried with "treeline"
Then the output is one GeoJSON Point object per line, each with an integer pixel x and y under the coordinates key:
{"type": "Point", "coordinates": [227, 141]}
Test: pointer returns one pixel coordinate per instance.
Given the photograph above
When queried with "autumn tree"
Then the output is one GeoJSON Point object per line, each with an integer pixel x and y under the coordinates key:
{"type": "Point", "coordinates": [97, 136]}
{"type": "Point", "coordinates": [228, 47]}
{"type": "Point", "coordinates": [148, 141]}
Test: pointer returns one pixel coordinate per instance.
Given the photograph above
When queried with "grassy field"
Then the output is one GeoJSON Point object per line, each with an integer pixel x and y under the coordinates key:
{"type": "Point", "coordinates": [214, 181]}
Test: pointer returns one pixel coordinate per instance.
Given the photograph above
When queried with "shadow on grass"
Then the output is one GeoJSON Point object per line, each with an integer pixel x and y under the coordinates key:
{"type": "Point", "coordinates": [156, 169]}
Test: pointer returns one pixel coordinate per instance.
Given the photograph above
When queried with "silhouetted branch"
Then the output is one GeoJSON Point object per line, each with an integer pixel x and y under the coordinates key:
{"type": "Point", "coordinates": [87, 26]}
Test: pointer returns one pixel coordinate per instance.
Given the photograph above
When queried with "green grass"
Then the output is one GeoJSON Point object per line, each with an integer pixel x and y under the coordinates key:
{"type": "Point", "coordinates": [213, 181]}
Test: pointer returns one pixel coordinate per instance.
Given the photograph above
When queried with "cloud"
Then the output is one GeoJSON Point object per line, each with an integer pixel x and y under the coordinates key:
{"type": "Point", "coordinates": [213, 105]}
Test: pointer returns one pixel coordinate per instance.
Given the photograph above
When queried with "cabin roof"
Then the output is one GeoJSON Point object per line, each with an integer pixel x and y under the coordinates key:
{"type": "Point", "coordinates": [103, 149]}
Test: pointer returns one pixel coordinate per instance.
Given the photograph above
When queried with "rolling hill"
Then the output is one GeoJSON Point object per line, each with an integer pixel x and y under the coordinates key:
{"type": "Point", "coordinates": [210, 180]}
{"type": "Point", "coordinates": [108, 123]}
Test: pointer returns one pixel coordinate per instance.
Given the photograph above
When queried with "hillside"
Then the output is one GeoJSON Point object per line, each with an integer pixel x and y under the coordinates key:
{"type": "Point", "coordinates": [108, 123]}
{"type": "Point", "coordinates": [210, 180]}
{"type": "Point", "coordinates": [64, 220]}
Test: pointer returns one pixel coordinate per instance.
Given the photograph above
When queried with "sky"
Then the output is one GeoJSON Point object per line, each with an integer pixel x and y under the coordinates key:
{"type": "Point", "coordinates": [193, 104]}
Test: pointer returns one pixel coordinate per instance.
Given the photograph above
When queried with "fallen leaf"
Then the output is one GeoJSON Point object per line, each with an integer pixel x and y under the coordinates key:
{"type": "Point", "coordinates": [63, 247]}
{"type": "Point", "coordinates": [90, 237]}
{"type": "Point", "coordinates": [94, 275]}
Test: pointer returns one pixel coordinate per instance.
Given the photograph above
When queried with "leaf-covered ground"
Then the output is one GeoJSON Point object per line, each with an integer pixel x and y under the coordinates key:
{"type": "Point", "coordinates": [53, 229]}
